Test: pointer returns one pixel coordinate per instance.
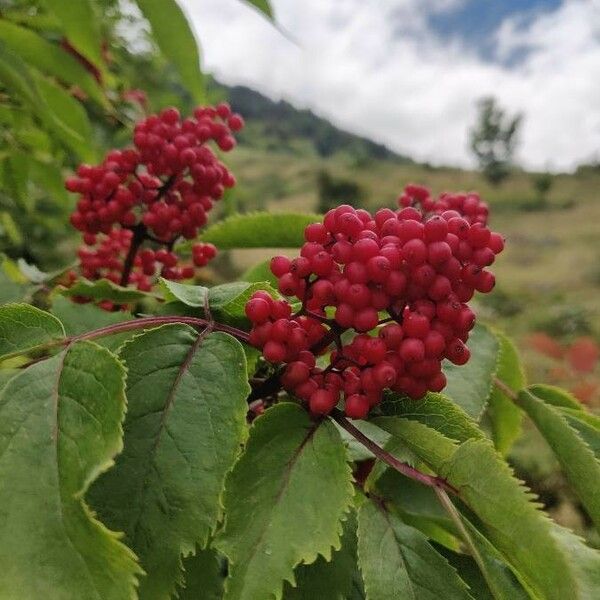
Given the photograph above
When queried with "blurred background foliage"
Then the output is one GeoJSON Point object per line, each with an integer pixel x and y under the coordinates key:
{"type": "Point", "coordinates": [75, 76]}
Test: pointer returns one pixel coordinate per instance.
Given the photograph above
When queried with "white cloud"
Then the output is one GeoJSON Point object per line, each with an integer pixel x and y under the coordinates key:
{"type": "Point", "coordinates": [375, 68]}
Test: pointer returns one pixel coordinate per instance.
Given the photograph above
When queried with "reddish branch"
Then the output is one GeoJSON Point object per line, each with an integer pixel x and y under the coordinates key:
{"type": "Point", "coordinates": [386, 457]}
{"type": "Point", "coordinates": [272, 386]}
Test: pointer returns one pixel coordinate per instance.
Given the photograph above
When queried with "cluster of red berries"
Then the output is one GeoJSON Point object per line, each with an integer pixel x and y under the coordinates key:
{"type": "Point", "coordinates": [158, 191]}
{"type": "Point", "coordinates": [400, 279]}
{"type": "Point", "coordinates": [470, 206]}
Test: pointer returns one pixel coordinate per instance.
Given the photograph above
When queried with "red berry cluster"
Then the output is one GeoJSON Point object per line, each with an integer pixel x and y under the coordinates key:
{"type": "Point", "coordinates": [399, 279]}
{"type": "Point", "coordinates": [157, 191]}
{"type": "Point", "coordinates": [470, 206]}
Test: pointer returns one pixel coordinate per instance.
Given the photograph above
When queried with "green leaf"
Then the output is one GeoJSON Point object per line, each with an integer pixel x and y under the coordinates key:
{"type": "Point", "coordinates": [426, 443]}
{"type": "Point", "coordinates": [491, 578]}
{"type": "Point", "coordinates": [103, 289]}
{"type": "Point", "coordinates": [284, 501]}
{"type": "Point", "coordinates": [11, 289]}
{"type": "Point", "coordinates": [50, 59]}
{"type": "Point", "coordinates": [6, 375]}
{"type": "Point", "coordinates": [17, 178]}
{"type": "Point", "coordinates": [555, 396]}
{"type": "Point", "coordinates": [331, 580]}
{"type": "Point", "coordinates": [24, 327]}
{"type": "Point", "coordinates": [260, 230]}
{"type": "Point", "coordinates": [70, 119]}
{"type": "Point", "coordinates": [226, 301]}
{"type": "Point", "coordinates": [356, 451]}
{"type": "Point", "coordinates": [576, 458]}
{"type": "Point", "coordinates": [529, 542]}
{"type": "Point", "coordinates": [186, 418]}
{"type": "Point", "coordinates": [435, 411]}
{"type": "Point", "coordinates": [264, 6]}
{"type": "Point", "coordinates": [204, 577]}
{"type": "Point", "coordinates": [397, 561]}
{"type": "Point", "coordinates": [52, 105]}
{"type": "Point", "coordinates": [48, 177]}
{"type": "Point", "coordinates": [418, 506]}
{"type": "Point", "coordinates": [176, 40]}
{"type": "Point", "coordinates": [80, 26]}
{"type": "Point", "coordinates": [505, 417]}
{"type": "Point", "coordinates": [60, 427]}
{"type": "Point", "coordinates": [260, 272]}
{"type": "Point", "coordinates": [10, 229]}
{"type": "Point", "coordinates": [190, 295]}
{"type": "Point", "coordinates": [16, 76]}
{"type": "Point", "coordinates": [397, 449]}
{"type": "Point", "coordinates": [587, 425]}
{"type": "Point", "coordinates": [81, 318]}
{"type": "Point", "coordinates": [470, 385]}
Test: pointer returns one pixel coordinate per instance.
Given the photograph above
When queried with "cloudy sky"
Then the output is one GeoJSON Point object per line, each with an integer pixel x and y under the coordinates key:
{"type": "Point", "coordinates": [408, 72]}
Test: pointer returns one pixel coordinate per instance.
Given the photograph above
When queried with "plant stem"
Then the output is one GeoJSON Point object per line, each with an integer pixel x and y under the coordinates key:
{"type": "Point", "coordinates": [505, 389]}
{"type": "Point", "coordinates": [386, 457]}
{"type": "Point", "coordinates": [143, 323]}
{"type": "Point", "coordinates": [139, 235]}
{"type": "Point", "coordinates": [146, 322]}
{"type": "Point", "coordinates": [466, 536]}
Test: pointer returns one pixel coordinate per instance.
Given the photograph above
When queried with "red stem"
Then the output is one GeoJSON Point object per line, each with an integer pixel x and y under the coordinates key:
{"type": "Point", "coordinates": [386, 457]}
{"type": "Point", "coordinates": [147, 322]}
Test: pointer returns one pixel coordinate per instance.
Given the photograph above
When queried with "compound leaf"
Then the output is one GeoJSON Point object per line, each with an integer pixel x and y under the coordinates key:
{"type": "Point", "coordinates": [49, 58]}
{"type": "Point", "coordinates": [576, 458]}
{"type": "Point", "coordinates": [397, 561]}
{"type": "Point", "coordinates": [542, 556]}
{"type": "Point", "coordinates": [284, 501]}
{"type": "Point", "coordinates": [185, 422]}
{"type": "Point", "coordinates": [60, 427]}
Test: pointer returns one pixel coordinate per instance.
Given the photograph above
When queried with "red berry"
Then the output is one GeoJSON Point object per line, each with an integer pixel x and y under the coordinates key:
{"type": "Point", "coordinates": [366, 319]}
{"type": "Point", "coordinates": [322, 402]}
{"type": "Point", "coordinates": [457, 352]}
{"type": "Point", "coordinates": [257, 310]}
{"type": "Point", "coordinates": [436, 229]}
{"type": "Point", "coordinates": [274, 351]}
{"type": "Point", "coordinates": [280, 265]}
{"type": "Point", "coordinates": [412, 350]}
{"type": "Point", "coordinates": [392, 335]}
{"type": "Point", "coordinates": [357, 406]}
{"type": "Point", "coordinates": [384, 374]}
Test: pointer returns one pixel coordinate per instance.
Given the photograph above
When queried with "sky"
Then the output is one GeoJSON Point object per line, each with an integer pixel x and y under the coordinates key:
{"type": "Point", "coordinates": [408, 73]}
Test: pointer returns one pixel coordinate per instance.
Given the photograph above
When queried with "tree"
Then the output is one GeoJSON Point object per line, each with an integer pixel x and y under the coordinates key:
{"type": "Point", "coordinates": [542, 183]}
{"type": "Point", "coordinates": [333, 191]}
{"type": "Point", "coordinates": [493, 139]}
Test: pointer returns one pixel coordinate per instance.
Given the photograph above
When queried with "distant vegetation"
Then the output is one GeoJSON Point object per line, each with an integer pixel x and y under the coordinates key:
{"type": "Point", "coordinates": [494, 139]}
{"type": "Point", "coordinates": [282, 124]}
